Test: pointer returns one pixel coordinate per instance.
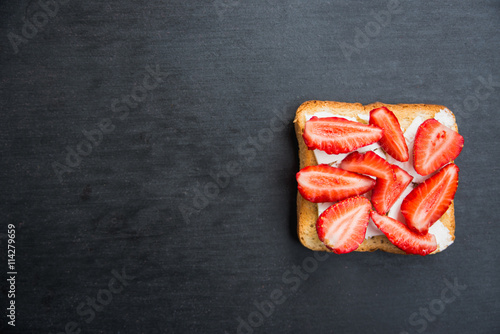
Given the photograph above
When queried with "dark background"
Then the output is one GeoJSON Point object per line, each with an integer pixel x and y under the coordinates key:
{"type": "Point", "coordinates": [232, 67]}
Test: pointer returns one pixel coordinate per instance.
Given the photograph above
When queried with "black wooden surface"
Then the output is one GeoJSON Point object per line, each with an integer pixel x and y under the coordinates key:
{"type": "Point", "coordinates": [142, 201]}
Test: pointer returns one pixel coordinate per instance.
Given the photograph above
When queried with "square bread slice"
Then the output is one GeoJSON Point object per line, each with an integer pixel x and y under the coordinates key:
{"type": "Point", "coordinates": [307, 212]}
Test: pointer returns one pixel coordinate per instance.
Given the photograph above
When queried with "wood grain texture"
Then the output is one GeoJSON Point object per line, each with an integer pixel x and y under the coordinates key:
{"type": "Point", "coordinates": [238, 72]}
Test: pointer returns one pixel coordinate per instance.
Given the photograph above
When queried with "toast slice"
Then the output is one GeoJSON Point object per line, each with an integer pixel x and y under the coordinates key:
{"type": "Point", "coordinates": [307, 212]}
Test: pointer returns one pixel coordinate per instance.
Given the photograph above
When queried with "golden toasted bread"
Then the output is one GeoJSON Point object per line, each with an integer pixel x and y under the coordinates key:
{"type": "Point", "coordinates": [307, 212]}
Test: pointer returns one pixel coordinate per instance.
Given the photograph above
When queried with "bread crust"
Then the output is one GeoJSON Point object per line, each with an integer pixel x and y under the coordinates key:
{"type": "Point", "coordinates": [307, 212]}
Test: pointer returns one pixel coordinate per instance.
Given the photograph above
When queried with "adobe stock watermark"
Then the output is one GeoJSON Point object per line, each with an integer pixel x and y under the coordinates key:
{"type": "Point", "coordinates": [291, 280]}
{"type": "Point", "coordinates": [482, 92]}
{"type": "Point", "coordinates": [429, 313]}
{"type": "Point", "coordinates": [248, 150]}
{"type": "Point", "coordinates": [371, 29]}
{"type": "Point", "coordinates": [222, 6]}
{"type": "Point", "coordinates": [47, 10]}
{"type": "Point", "coordinates": [87, 309]}
{"type": "Point", "coordinates": [120, 107]}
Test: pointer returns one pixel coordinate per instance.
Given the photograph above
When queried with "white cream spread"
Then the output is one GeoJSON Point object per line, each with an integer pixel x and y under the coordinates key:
{"type": "Point", "coordinates": [445, 117]}
{"type": "Point", "coordinates": [364, 117]}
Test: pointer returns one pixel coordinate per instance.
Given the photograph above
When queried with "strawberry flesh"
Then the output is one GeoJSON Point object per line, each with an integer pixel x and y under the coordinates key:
{"type": "Point", "coordinates": [402, 237]}
{"type": "Point", "coordinates": [386, 192]}
{"type": "Point", "coordinates": [392, 141]}
{"type": "Point", "coordinates": [368, 163]}
{"type": "Point", "coordinates": [425, 204]}
{"type": "Point", "coordinates": [336, 135]}
{"type": "Point", "coordinates": [342, 227]}
{"type": "Point", "coordinates": [435, 146]}
{"type": "Point", "coordinates": [323, 183]}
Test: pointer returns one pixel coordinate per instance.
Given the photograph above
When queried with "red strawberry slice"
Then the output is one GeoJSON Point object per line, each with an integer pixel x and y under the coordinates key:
{"type": "Point", "coordinates": [336, 135]}
{"type": "Point", "coordinates": [402, 237]}
{"type": "Point", "coordinates": [368, 163]}
{"type": "Point", "coordinates": [324, 183]}
{"type": "Point", "coordinates": [342, 227]}
{"type": "Point", "coordinates": [430, 199]}
{"type": "Point", "coordinates": [435, 146]}
{"type": "Point", "coordinates": [393, 141]}
{"type": "Point", "coordinates": [386, 192]}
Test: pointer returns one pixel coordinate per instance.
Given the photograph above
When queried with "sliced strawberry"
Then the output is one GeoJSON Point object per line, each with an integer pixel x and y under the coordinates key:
{"type": "Point", "coordinates": [402, 237]}
{"type": "Point", "coordinates": [324, 183]}
{"type": "Point", "coordinates": [435, 146]}
{"type": "Point", "coordinates": [386, 192]}
{"type": "Point", "coordinates": [393, 141]}
{"type": "Point", "coordinates": [342, 227]}
{"type": "Point", "coordinates": [430, 199]}
{"type": "Point", "coordinates": [336, 135]}
{"type": "Point", "coordinates": [368, 163]}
